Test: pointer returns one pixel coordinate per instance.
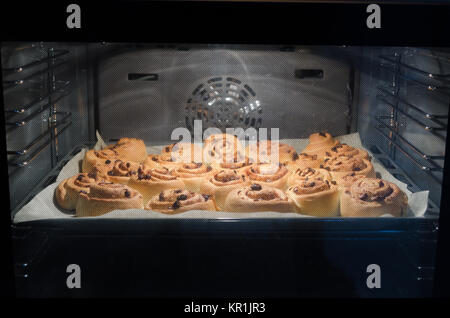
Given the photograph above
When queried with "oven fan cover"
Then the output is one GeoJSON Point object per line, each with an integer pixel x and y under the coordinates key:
{"type": "Point", "coordinates": [223, 102]}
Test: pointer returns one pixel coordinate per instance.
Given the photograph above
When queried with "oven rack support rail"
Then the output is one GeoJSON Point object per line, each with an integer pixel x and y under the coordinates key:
{"type": "Point", "coordinates": [58, 121]}
{"type": "Point", "coordinates": [388, 123]}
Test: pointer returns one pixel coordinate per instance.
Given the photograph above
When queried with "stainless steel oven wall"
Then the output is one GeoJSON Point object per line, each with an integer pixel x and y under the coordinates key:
{"type": "Point", "coordinates": [403, 111]}
{"type": "Point", "coordinates": [146, 92]}
{"type": "Point", "coordinates": [46, 109]}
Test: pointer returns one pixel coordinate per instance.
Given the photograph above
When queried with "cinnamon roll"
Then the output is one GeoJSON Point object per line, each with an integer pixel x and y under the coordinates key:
{"type": "Point", "coordinates": [126, 149]}
{"type": "Point", "coordinates": [319, 143]}
{"type": "Point", "coordinates": [344, 150]}
{"type": "Point", "coordinates": [104, 197]}
{"type": "Point", "coordinates": [268, 174]}
{"type": "Point", "coordinates": [68, 191]}
{"type": "Point", "coordinates": [194, 174]}
{"type": "Point", "coordinates": [314, 193]}
{"type": "Point", "coordinates": [342, 166]}
{"type": "Point", "coordinates": [130, 149]}
{"type": "Point", "coordinates": [302, 161]}
{"type": "Point", "coordinates": [183, 152]}
{"type": "Point", "coordinates": [258, 198]}
{"type": "Point", "coordinates": [370, 197]}
{"type": "Point", "coordinates": [261, 152]}
{"type": "Point", "coordinates": [179, 200]}
{"type": "Point", "coordinates": [116, 171]}
{"type": "Point", "coordinates": [347, 180]}
{"type": "Point", "coordinates": [149, 182]}
{"type": "Point", "coordinates": [223, 148]}
{"type": "Point", "coordinates": [159, 161]}
{"type": "Point", "coordinates": [221, 183]}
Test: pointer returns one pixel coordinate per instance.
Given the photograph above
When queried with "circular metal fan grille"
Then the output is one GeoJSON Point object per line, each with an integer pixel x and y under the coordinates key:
{"type": "Point", "coordinates": [223, 102]}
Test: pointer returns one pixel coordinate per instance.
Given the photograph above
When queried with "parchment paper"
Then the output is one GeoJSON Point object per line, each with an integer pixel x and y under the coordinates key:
{"type": "Point", "coordinates": [42, 206]}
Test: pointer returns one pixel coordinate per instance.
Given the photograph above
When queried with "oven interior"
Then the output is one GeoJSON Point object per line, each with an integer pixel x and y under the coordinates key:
{"type": "Point", "coordinates": [57, 95]}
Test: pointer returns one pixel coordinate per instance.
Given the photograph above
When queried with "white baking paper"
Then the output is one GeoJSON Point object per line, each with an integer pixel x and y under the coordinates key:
{"type": "Point", "coordinates": [42, 206]}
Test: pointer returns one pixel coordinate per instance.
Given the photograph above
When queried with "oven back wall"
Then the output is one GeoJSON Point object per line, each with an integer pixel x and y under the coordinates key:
{"type": "Point", "coordinates": [148, 92]}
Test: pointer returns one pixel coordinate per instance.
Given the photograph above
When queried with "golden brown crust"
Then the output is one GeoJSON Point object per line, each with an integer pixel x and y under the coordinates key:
{"type": "Point", "coordinates": [68, 191]}
{"type": "Point", "coordinates": [107, 196]}
{"type": "Point", "coordinates": [340, 167]}
{"type": "Point", "coordinates": [126, 149]}
{"type": "Point", "coordinates": [194, 174]}
{"type": "Point", "coordinates": [159, 161]}
{"type": "Point", "coordinates": [116, 171]}
{"type": "Point", "coordinates": [258, 198]}
{"type": "Point", "coordinates": [370, 197]}
{"type": "Point", "coordinates": [344, 150]}
{"type": "Point", "coordinates": [150, 182]}
{"type": "Point", "coordinates": [261, 152]}
{"type": "Point", "coordinates": [221, 183]}
{"type": "Point", "coordinates": [179, 200]}
{"type": "Point", "coordinates": [223, 148]}
{"type": "Point", "coordinates": [268, 174]}
{"type": "Point", "coordinates": [314, 193]}
{"type": "Point", "coordinates": [319, 143]}
{"type": "Point", "coordinates": [303, 160]}
{"type": "Point", "coordinates": [183, 152]}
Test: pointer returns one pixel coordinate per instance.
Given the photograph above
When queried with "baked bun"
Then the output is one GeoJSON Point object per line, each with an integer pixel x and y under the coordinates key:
{"type": "Point", "coordinates": [95, 157]}
{"type": "Point", "coordinates": [261, 152]}
{"type": "Point", "coordinates": [116, 171]}
{"type": "Point", "coordinates": [319, 143]}
{"type": "Point", "coordinates": [347, 180]}
{"type": "Point", "coordinates": [221, 183]}
{"type": "Point", "coordinates": [272, 175]}
{"type": "Point", "coordinates": [159, 161]}
{"type": "Point", "coordinates": [223, 148]}
{"type": "Point", "coordinates": [303, 161]}
{"type": "Point", "coordinates": [194, 174]}
{"type": "Point", "coordinates": [343, 166]}
{"type": "Point", "coordinates": [126, 149]}
{"type": "Point", "coordinates": [238, 166]}
{"type": "Point", "coordinates": [68, 191]}
{"type": "Point", "coordinates": [130, 149]}
{"type": "Point", "coordinates": [344, 150]}
{"type": "Point", "coordinates": [258, 198]}
{"type": "Point", "coordinates": [183, 152]}
{"type": "Point", "coordinates": [370, 197]}
{"type": "Point", "coordinates": [314, 193]}
{"type": "Point", "coordinates": [179, 200]}
{"type": "Point", "coordinates": [150, 182]}
{"type": "Point", "coordinates": [104, 197]}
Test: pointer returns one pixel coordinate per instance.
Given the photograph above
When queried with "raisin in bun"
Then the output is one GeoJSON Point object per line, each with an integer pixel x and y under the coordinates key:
{"type": "Point", "coordinates": [222, 148]}
{"type": "Point", "coordinates": [194, 174]}
{"type": "Point", "coordinates": [221, 183]}
{"type": "Point", "coordinates": [370, 197]}
{"type": "Point", "coordinates": [344, 150]}
{"type": "Point", "coordinates": [258, 198]}
{"type": "Point", "coordinates": [104, 197]}
{"type": "Point", "coordinates": [320, 143]}
{"type": "Point", "coordinates": [159, 161]}
{"type": "Point", "coordinates": [314, 193]}
{"type": "Point", "coordinates": [262, 152]}
{"type": "Point", "coordinates": [303, 160]}
{"type": "Point", "coordinates": [150, 182]}
{"type": "Point", "coordinates": [340, 167]}
{"type": "Point", "coordinates": [68, 191]}
{"type": "Point", "coordinates": [127, 149]}
{"type": "Point", "coordinates": [116, 171]}
{"type": "Point", "coordinates": [180, 200]}
{"type": "Point", "coordinates": [272, 175]}
{"type": "Point", "coordinates": [183, 152]}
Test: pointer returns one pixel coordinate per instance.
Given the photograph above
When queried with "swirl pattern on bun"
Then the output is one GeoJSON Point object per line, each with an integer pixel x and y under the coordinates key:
{"type": "Point", "coordinates": [371, 197]}
{"type": "Point", "coordinates": [104, 197]}
{"type": "Point", "coordinates": [320, 143]}
{"type": "Point", "coordinates": [258, 198]}
{"type": "Point", "coordinates": [221, 183]}
{"type": "Point", "coordinates": [314, 193]}
{"type": "Point", "coordinates": [179, 200]}
{"type": "Point", "coordinates": [68, 191]}
{"type": "Point", "coordinates": [194, 174]}
{"type": "Point", "coordinates": [268, 174]}
{"type": "Point", "coordinates": [339, 167]}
